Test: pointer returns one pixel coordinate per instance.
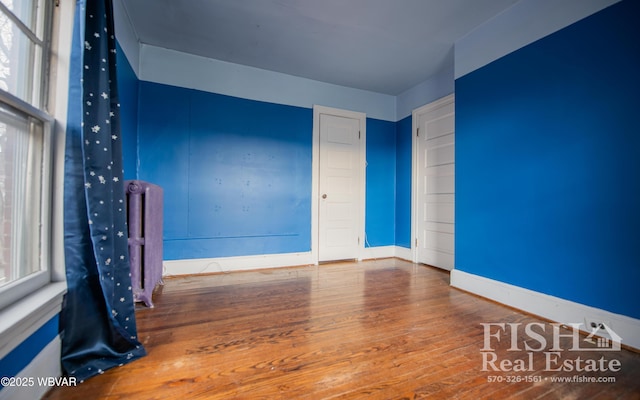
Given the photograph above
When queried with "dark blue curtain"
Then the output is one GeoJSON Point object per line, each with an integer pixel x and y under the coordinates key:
{"type": "Point", "coordinates": [97, 323]}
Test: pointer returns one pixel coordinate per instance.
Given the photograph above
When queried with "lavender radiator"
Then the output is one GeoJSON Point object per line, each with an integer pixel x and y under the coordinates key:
{"type": "Point", "coordinates": [144, 217]}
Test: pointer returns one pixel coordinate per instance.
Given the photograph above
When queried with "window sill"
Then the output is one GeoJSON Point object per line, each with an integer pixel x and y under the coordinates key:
{"type": "Point", "coordinates": [21, 319]}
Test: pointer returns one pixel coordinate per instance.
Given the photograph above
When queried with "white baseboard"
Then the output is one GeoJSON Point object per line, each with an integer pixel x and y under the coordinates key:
{"type": "Point", "coordinates": [388, 252]}
{"type": "Point", "coordinates": [404, 253]}
{"type": "Point", "coordinates": [245, 263]}
{"type": "Point", "coordinates": [45, 365]}
{"type": "Point", "coordinates": [231, 264]}
{"type": "Point", "coordinates": [546, 306]}
{"type": "Point", "coordinates": [378, 252]}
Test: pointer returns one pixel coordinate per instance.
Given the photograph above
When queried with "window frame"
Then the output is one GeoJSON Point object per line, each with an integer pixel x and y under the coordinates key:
{"type": "Point", "coordinates": [25, 317]}
{"type": "Point", "coordinates": [40, 87]}
{"type": "Point", "coordinates": [23, 287]}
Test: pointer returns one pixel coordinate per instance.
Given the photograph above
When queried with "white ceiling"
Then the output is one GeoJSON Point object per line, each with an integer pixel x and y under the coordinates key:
{"type": "Point", "coordinates": [385, 46]}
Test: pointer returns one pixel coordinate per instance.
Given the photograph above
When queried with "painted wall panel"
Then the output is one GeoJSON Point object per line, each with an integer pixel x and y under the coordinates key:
{"type": "Point", "coordinates": [163, 151]}
{"type": "Point", "coordinates": [236, 172]}
{"type": "Point", "coordinates": [547, 173]}
{"type": "Point", "coordinates": [381, 176]}
{"type": "Point", "coordinates": [403, 182]}
{"type": "Point", "coordinates": [250, 175]}
{"type": "Point", "coordinates": [128, 92]}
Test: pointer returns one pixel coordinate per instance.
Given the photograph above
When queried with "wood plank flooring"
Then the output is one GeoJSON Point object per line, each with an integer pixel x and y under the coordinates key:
{"type": "Point", "coordinates": [384, 329]}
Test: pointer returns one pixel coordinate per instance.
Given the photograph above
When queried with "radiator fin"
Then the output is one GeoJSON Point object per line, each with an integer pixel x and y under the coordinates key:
{"type": "Point", "coordinates": [144, 218]}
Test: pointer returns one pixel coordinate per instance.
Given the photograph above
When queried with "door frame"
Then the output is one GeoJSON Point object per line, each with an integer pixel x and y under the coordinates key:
{"type": "Point", "coordinates": [315, 176]}
{"type": "Point", "coordinates": [414, 166]}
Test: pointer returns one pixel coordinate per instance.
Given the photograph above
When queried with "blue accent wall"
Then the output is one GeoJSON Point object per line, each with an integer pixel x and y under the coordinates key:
{"type": "Point", "coordinates": [236, 173]}
{"type": "Point", "coordinates": [548, 165]}
{"type": "Point", "coordinates": [128, 92]}
{"type": "Point", "coordinates": [403, 181]}
{"type": "Point", "coordinates": [380, 184]}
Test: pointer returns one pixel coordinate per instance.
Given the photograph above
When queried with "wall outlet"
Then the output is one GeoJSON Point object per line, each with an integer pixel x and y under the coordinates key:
{"type": "Point", "coordinates": [597, 326]}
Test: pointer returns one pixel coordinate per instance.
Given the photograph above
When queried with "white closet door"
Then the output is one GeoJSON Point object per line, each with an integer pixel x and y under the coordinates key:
{"type": "Point", "coordinates": [435, 200]}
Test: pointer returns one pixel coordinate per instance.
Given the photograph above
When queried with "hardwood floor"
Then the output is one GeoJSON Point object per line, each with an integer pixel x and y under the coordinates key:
{"type": "Point", "coordinates": [384, 329]}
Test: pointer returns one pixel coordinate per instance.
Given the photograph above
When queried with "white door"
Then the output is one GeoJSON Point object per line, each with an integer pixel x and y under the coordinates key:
{"type": "Point", "coordinates": [339, 187]}
{"type": "Point", "coordinates": [435, 183]}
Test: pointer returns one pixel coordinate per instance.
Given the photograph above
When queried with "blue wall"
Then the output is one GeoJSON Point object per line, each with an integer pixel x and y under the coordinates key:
{"type": "Point", "coordinates": [128, 93]}
{"type": "Point", "coordinates": [547, 165]}
{"type": "Point", "coordinates": [380, 184]}
{"type": "Point", "coordinates": [236, 173]}
{"type": "Point", "coordinates": [403, 181]}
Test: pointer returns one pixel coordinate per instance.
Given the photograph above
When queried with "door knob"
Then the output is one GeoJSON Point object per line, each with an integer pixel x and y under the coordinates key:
{"type": "Point", "coordinates": [324, 196]}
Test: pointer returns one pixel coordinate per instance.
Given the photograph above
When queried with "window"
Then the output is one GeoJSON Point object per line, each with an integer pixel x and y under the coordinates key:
{"type": "Point", "coordinates": [25, 148]}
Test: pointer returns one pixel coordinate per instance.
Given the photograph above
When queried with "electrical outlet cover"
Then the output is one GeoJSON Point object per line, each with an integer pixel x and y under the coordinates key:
{"type": "Point", "coordinates": [595, 324]}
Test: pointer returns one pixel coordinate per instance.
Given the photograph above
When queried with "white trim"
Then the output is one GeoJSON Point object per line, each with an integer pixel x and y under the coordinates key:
{"type": "Point", "coordinates": [33, 232]}
{"type": "Point", "coordinates": [403, 253]}
{"type": "Point", "coordinates": [46, 364]}
{"type": "Point", "coordinates": [414, 186]}
{"type": "Point", "coordinates": [315, 174]}
{"type": "Point", "coordinates": [246, 263]}
{"type": "Point", "coordinates": [21, 319]}
{"type": "Point", "coordinates": [546, 306]}
{"type": "Point", "coordinates": [264, 261]}
{"type": "Point", "coordinates": [371, 253]}
{"type": "Point", "coordinates": [58, 104]}
{"type": "Point", "coordinates": [414, 166]}
{"type": "Point", "coordinates": [232, 264]}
